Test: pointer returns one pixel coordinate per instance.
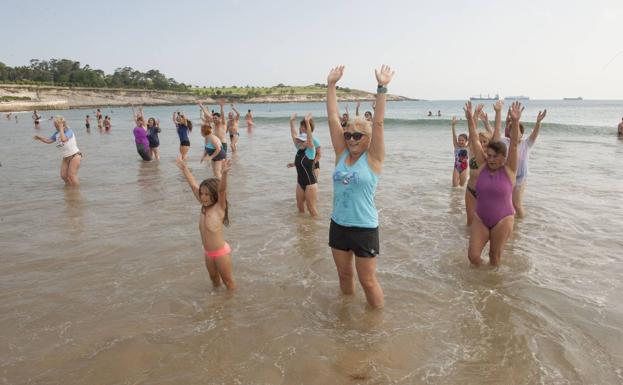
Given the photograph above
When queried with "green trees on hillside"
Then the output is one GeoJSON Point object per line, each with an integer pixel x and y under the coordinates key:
{"type": "Point", "coordinates": [64, 72]}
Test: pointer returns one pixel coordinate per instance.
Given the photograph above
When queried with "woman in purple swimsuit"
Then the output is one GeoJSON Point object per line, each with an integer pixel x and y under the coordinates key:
{"type": "Point", "coordinates": [495, 215]}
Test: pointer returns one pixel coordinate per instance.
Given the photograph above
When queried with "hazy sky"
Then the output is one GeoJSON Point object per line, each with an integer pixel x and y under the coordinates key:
{"type": "Point", "coordinates": [447, 49]}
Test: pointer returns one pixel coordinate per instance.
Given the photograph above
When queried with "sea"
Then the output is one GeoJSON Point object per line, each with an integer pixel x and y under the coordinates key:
{"type": "Point", "coordinates": [106, 284]}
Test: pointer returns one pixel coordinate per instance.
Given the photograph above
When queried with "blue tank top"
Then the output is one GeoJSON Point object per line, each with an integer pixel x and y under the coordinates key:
{"type": "Point", "coordinates": [353, 193]}
{"type": "Point", "coordinates": [209, 146]}
{"type": "Point", "coordinates": [182, 131]}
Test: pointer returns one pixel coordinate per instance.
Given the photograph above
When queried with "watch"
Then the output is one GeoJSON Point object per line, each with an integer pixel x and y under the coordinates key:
{"type": "Point", "coordinates": [381, 89]}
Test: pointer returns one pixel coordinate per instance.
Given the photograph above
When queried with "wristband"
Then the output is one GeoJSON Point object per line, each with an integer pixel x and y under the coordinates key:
{"type": "Point", "coordinates": [381, 89]}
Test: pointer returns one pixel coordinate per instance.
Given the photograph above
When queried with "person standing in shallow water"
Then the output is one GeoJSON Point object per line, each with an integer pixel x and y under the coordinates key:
{"type": "Point", "coordinates": [620, 128]}
{"type": "Point", "coordinates": [232, 126]}
{"type": "Point", "coordinates": [37, 119]}
{"type": "Point", "coordinates": [304, 161]}
{"type": "Point", "coordinates": [459, 174]}
{"type": "Point", "coordinates": [495, 215]}
{"type": "Point", "coordinates": [65, 141]}
{"type": "Point", "coordinates": [212, 195]}
{"type": "Point", "coordinates": [183, 126]}
{"type": "Point", "coordinates": [140, 135]}
{"type": "Point", "coordinates": [359, 153]}
{"type": "Point", "coordinates": [249, 119]}
{"type": "Point", "coordinates": [524, 145]}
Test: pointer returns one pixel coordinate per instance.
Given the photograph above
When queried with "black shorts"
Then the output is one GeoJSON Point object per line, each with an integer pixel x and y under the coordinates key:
{"type": "Point", "coordinates": [224, 146]}
{"type": "Point", "coordinates": [88, 126]}
{"type": "Point", "coordinates": [185, 143]}
{"type": "Point", "coordinates": [317, 165]}
{"type": "Point", "coordinates": [364, 242]}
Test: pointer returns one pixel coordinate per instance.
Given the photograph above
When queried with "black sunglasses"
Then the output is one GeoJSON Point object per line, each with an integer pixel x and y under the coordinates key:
{"type": "Point", "coordinates": [353, 135]}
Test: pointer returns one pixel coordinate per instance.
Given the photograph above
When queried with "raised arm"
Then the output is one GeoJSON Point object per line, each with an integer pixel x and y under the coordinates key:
{"type": "Point", "coordinates": [485, 119]}
{"type": "Point", "coordinates": [497, 107]}
{"type": "Point", "coordinates": [496, 137]}
{"type": "Point", "coordinates": [357, 108]}
{"type": "Point", "coordinates": [333, 117]}
{"type": "Point", "coordinates": [377, 141]}
{"type": "Point", "coordinates": [236, 111]}
{"type": "Point", "coordinates": [455, 142]}
{"type": "Point", "coordinates": [535, 131]}
{"type": "Point", "coordinates": [473, 134]}
{"type": "Point", "coordinates": [293, 131]}
{"type": "Point", "coordinates": [222, 186]}
{"type": "Point", "coordinates": [174, 118]}
{"type": "Point", "coordinates": [308, 131]}
{"type": "Point", "coordinates": [192, 182]}
{"type": "Point", "coordinates": [512, 158]}
{"type": "Point", "coordinates": [207, 116]}
{"type": "Point", "coordinates": [222, 104]}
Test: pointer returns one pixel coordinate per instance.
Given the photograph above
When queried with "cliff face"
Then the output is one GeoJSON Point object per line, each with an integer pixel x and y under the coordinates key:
{"type": "Point", "coordinates": [62, 98]}
{"type": "Point", "coordinates": [48, 97]}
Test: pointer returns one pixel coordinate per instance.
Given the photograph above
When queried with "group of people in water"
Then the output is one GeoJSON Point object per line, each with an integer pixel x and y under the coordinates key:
{"type": "Point", "coordinates": [493, 169]}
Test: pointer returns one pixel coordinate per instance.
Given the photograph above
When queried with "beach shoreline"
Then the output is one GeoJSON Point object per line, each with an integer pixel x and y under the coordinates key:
{"type": "Point", "coordinates": [40, 97]}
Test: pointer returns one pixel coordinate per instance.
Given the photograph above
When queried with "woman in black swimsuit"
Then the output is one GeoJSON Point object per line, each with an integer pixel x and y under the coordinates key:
{"type": "Point", "coordinates": [306, 186]}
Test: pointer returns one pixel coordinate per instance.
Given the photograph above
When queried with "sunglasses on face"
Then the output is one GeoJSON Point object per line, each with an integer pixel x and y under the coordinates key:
{"type": "Point", "coordinates": [354, 135]}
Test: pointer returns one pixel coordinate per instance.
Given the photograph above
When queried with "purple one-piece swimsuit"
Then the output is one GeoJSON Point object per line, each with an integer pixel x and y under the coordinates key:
{"type": "Point", "coordinates": [494, 196]}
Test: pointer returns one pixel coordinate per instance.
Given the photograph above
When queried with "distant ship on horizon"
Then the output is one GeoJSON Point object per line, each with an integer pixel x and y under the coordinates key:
{"type": "Point", "coordinates": [488, 97]}
{"type": "Point", "coordinates": [520, 97]}
{"type": "Point", "coordinates": [578, 98]}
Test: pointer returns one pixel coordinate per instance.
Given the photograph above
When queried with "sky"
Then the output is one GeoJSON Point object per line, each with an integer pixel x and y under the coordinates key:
{"type": "Point", "coordinates": [446, 49]}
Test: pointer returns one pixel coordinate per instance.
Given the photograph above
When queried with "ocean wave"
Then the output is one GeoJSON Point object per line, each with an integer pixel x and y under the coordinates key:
{"type": "Point", "coordinates": [392, 123]}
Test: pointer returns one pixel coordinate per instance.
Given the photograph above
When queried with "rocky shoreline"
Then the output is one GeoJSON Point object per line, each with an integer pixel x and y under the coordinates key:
{"type": "Point", "coordinates": [62, 98]}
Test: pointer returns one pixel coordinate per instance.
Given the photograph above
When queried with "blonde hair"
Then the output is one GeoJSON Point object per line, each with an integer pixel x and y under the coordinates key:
{"type": "Point", "coordinates": [485, 134]}
{"type": "Point", "coordinates": [361, 125]}
{"type": "Point", "coordinates": [59, 119]}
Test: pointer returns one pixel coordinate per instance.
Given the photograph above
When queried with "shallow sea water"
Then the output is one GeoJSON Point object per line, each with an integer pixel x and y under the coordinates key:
{"type": "Point", "coordinates": [106, 284]}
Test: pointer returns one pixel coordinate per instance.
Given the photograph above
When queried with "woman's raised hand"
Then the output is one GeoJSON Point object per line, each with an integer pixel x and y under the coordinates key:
{"type": "Point", "coordinates": [483, 116]}
{"type": "Point", "coordinates": [308, 118]}
{"type": "Point", "coordinates": [497, 107]}
{"type": "Point", "coordinates": [293, 117]}
{"type": "Point", "coordinates": [454, 120]}
{"type": "Point", "coordinates": [478, 110]}
{"type": "Point", "coordinates": [515, 111]}
{"type": "Point", "coordinates": [335, 75]}
{"type": "Point", "coordinates": [541, 116]}
{"type": "Point", "coordinates": [384, 75]}
{"type": "Point", "coordinates": [468, 111]}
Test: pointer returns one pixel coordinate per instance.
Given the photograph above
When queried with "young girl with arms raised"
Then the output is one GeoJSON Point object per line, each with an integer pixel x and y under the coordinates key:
{"type": "Point", "coordinates": [212, 195]}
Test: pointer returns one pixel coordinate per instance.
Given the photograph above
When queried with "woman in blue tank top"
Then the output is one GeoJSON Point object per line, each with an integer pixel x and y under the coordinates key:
{"type": "Point", "coordinates": [359, 153]}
